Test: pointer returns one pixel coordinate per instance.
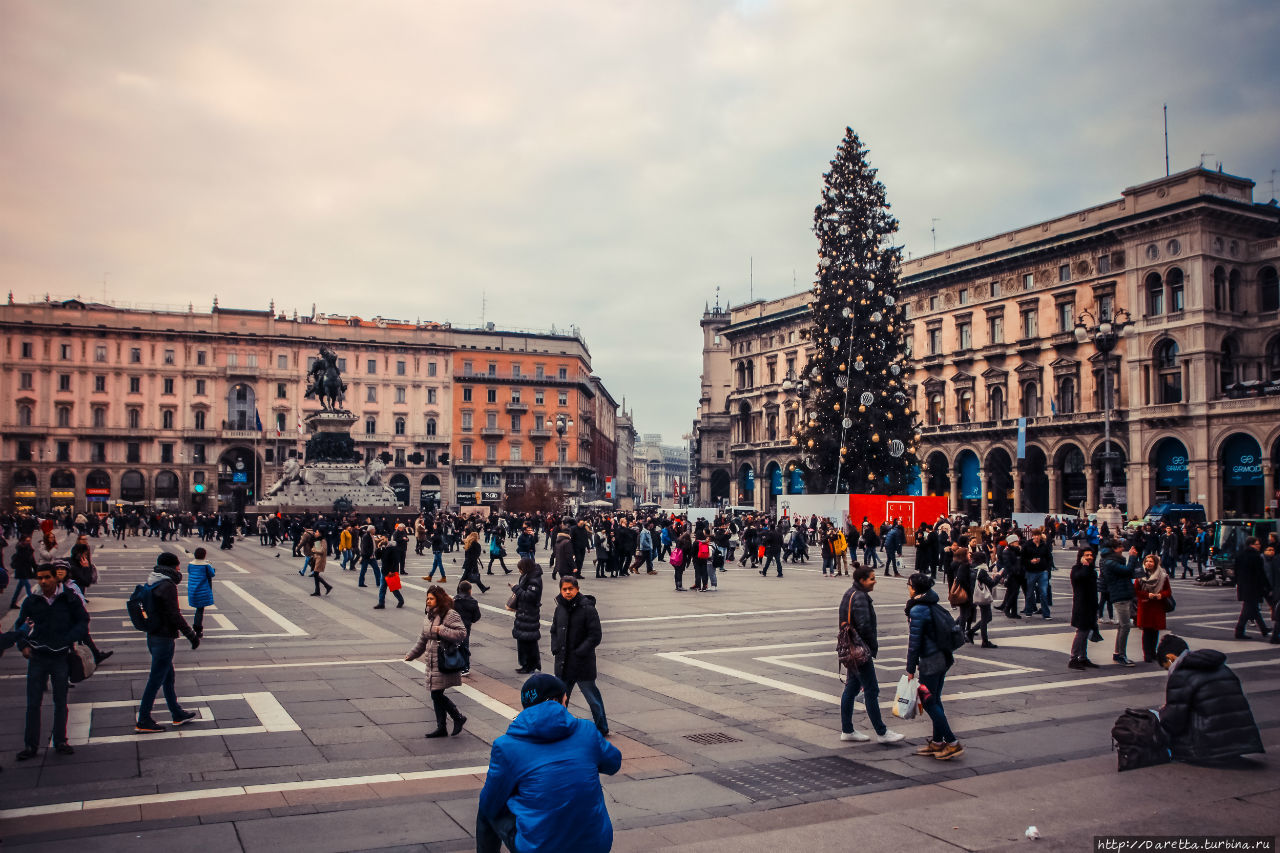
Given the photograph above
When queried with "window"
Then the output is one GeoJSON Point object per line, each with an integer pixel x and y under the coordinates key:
{"type": "Point", "coordinates": [964, 296]}
{"type": "Point", "coordinates": [166, 419]}
{"type": "Point", "coordinates": [490, 452]}
{"type": "Point", "coordinates": [282, 390]}
{"type": "Point", "coordinates": [515, 423]}
{"type": "Point", "coordinates": [995, 330]}
{"type": "Point", "coordinates": [563, 398]}
{"type": "Point", "coordinates": [371, 366]}
{"type": "Point", "coordinates": [25, 453]}
{"type": "Point", "coordinates": [400, 368]}
{"type": "Point", "coordinates": [538, 453]}
{"type": "Point", "coordinates": [202, 358]}
{"type": "Point", "coordinates": [370, 425]}
{"type": "Point", "coordinates": [491, 420]}
{"type": "Point", "coordinates": [100, 384]}
{"type": "Point", "coordinates": [168, 385]}
{"type": "Point", "coordinates": [1030, 400]}
{"type": "Point", "coordinates": [233, 359]}
{"type": "Point", "coordinates": [64, 416]}
{"type": "Point", "coordinates": [431, 426]}
{"type": "Point", "coordinates": [282, 362]}
{"type": "Point", "coordinates": [538, 397]}
{"type": "Point", "coordinates": [466, 452]}
{"type": "Point", "coordinates": [281, 422]}
{"type": "Point", "coordinates": [492, 368]}
{"type": "Point", "coordinates": [564, 373]}
{"type": "Point", "coordinates": [99, 416]}
{"type": "Point", "coordinates": [168, 356]}
{"type": "Point", "coordinates": [1176, 281]}
{"type": "Point", "coordinates": [1273, 359]}
{"type": "Point", "coordinates": [64, 381]}
{"type": "Point", "coordinates": [25, 381]}
{"type": "Point", "coordinates": [935, 409]}
{"type": "Point", "coordinates": [166, 452]}
{"type": "Point", "coordinates": [64, 352]}
{"type": "Point", "coordinates": [198, 418]}
{"type": "Point", "coordinates": [515, 453]}
{"type": "Point", "coordinates": [1028, 281]}
{"type": "Point", "coordinates": [933, 303]}
{"type": "Point", "coordinates": [252, 359]}
{"type": "Point", "coordinates": [468, 479]}
{"type": "Point", "coordinates": [1030, 324]}
{"type": "Point", "coordinates": [133, 452]}
{"type": "Point", "coordinates": [400, 395]}
{"type": "Point", "coordinates": [342, 367]}
{"type": "Point", "coordinates": [935, 341]}
{"type": "Point", "coordinates": [63, 451]}
{"type": "Point", "coordinates": [24, 415]}
{"type": "Point", "coordinates": [200, 387]}
{"type": "Point", "coordinates": [515, 395]}
{"type": "Point", "coordinates": [97, 451]}
{"type": "Point", "coordinates": [1168, 373]}
{"type": "Point", "coordinates": [468, 367]}
{"type": "Point", "coordinates": [1064, 272]}
{"type": "Point", "coordinates": [964, 332]}
{"type": "Point", "coordinates": [1066, 316]}
{"type": "Point", "coordinates": [431, 395]}
{"type": "Point", "coordinates": [964, 407]}
{"type": "Point", "coordinates": [1104, 264]}
{"type": "Point", "coordinates": [466, 421]}
{"type": "Point", "coordinates": [1227, 359]}
{"type": "Point", "coordinates": [1106, 306]}
{"type": "Point", "coordinates": [515, 370]}
{"type": "Point", "coordinates": [1268, 289]}
{"type": "Point", "coordinates": [562, 454]}
{"type": "Point", "coordinates": [198, 457]}
{"type": "Point", "coordinates": [100, 353]}
{"type": "Point", "coordinates": [995, 403]}
{"type": "Point", "coordinates": [371, 394]}
{"type": "Point", "coordinates": [1066, 395]}
{"type": "Point", "coordinates": [539, 371]}
{"type": "Point", "coordinates": [538, 422]}
{"type": "Point", "coordinates": [135, 384]}
{"type": "Point", "coordinates": [466, 395]}
{"type": "Point", "coordinates": [1233, 291]}
{"type": "Point", "coordinates": [135, 355]}
{"type": "Point", "coordinates": [28, 350]}
{"type": "Point", "coordinates": [431, 368]}
{"type": "Point", "coordinates": [1155, 295]}
{"type": "Point", "coordinates": [491, 395]}
{"type": "Point", "coordinates": [400, 462]}
{"type": "Point", "coordinates": [399, 426]}
{"type": "Point", "coordinates": [135, 418]}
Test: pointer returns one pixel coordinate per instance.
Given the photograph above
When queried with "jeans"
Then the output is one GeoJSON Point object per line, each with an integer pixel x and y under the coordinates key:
{"type": "Point", "coordinates": [382, 592]}
{"type": "Point", "coordinates": [41, 668]}
{"type": "Point", "coordinates": [643, 558]}
{"type": "Point", "coordinates": [365, 563]}
{"type": "Point", "coordinates": [492, 834]}
{"type": "Point", "coordinates": [592, 694]}
{"type": "Point", "coordinates": [777, 559]}
{"type": "Point", "coordinates": [20, 585]}
{"type": "Point", "coordinates": [941, 729]}
{"type": "Point", "coordinates": [870, 557]}
{"type": "Point", "coordinates": [437, 562]}
{"type": "Point", "coordinates": [1080, 644]}
{"type": "Point", "coordinates": [161, 677]}
{"type": "Point", "coordinates": [891, 561]}
{"type": "Point", "coordinates": [862, 679]}
{"type": "Point", "coordinates": [1124, 615]}
{"type": "Point", "coordinates": [1037, 593]}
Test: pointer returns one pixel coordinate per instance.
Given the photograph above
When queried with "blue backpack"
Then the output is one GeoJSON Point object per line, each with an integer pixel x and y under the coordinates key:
{"type": "Point", "coordinates": [142, 609]}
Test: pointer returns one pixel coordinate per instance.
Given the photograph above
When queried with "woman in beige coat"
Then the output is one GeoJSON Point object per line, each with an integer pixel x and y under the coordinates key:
{"type": "Point", "coordinates": [442, 622]}
{"type": "Point", "coordinates": [319, 558]}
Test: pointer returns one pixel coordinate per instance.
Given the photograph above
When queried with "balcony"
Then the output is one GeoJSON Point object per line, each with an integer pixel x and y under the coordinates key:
{"type": "Point", "coordinates": [1029, 345]}
{"type": "Point", "coordinates": [201, 433]}
{"type": "Point", "coordinates": [240, 435]}
{"type": "Point", "coordinates": [540, 434]}
{"type": "Point", "coordinates": [517, 406]}
{"type": "Point", "coordinates": [375, 437]}
{"type": "Point", "coordinates": [517, 463]}
{"type": "Point", "coordinates": [248, 371]}
{"type": "Point", "coordinates": [1064, 340]}
{"type": "Point", "coordinates": [492, 432]}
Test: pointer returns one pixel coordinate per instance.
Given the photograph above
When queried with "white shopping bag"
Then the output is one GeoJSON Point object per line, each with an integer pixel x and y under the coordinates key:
{"type": "Point", "coordinates": [906, 704]}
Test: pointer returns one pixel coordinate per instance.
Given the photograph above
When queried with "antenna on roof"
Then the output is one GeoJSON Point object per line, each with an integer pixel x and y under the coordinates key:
{"type": "Point", "coordinates": [483, 306]}
{"type": "Point", "coordinates": [933, 229]}
{"type": "Point", "coordinates": [1166, 141]}
{"type": "Point", "coordinates": [1272, 182]}
{"type": "Point", "coordinates": [751, 279]}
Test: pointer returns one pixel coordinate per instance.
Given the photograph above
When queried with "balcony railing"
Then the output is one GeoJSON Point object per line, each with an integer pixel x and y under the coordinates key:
{"type": "Point", "coordinates": [246, 370]}
{"type": "Point", "coordinates": [542, 434]}
{"type": "Point", "coordinates": [517, 406]}
{"type": "Point", "coordinates": [492, 432]}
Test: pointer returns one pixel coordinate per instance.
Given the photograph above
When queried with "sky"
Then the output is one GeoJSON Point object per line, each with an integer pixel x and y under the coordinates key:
{"type": "Point", "coordinates": [607, 165]}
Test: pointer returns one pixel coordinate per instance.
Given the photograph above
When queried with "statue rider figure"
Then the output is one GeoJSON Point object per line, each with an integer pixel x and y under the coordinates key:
{"type": "Point", "coordinates": [326, 381]}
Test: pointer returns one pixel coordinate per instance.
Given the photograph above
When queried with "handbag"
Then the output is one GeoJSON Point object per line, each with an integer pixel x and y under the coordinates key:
{"type": "Point", "coordinates": [981, 595]}
{"type": "Point", "coordinates": [512, 600]}
{"type": "Point", "coordinates": [393, 581]}
{"type": "Point", "coordinates": [452, 657]}
{"type": "Point", "coordinates": [80, 663]}
{"type": "Point", "coordinates": [1168, 604]}
{"type": "Point", "coordinates": [957, 595]}
{"type": "Point", "coordinates": [850, 648]}
{"type": "Point", "coordinates": [906, 702]}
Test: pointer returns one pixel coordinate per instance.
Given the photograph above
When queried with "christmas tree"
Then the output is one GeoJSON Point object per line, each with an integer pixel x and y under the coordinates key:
{"type": "Point", "coordinates": [858, 433]}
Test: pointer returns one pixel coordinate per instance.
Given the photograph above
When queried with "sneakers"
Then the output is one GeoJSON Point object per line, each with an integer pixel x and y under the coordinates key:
{"type": "Point", "coordinates": [147, 727]}
{"type": "Point", "coordinates": [28, 753]}
{"type": "Point", "coordinates": [987, 644]}
{"type": "Point", "coordinates": [184, 718]}
{"type": "Point", "coordinates": [64, 749]}
{"type": "Point", "coordinates": [949, 751]}
{"type": "Point", "coordinates": [857, 737]}
{"type": "Point", "coordinates": [1122, 660]}
{"type": "Point", "coordinates": [930, 748]}
{"type": "Point", "coordinates": [890, 736]}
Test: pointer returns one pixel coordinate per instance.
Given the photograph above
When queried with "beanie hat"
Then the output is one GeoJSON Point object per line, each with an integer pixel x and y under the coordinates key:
{"type": "Point", "coordinates": [540, 687]}
{"type": "Point", "coordinates": [168, 560]}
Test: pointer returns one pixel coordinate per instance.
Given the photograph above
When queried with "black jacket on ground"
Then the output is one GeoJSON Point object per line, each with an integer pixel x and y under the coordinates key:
{"type": "Point", "coordinates": [575, 633]}
{"type": "Point", "coordinates": [863, 614]}
{"type": "Point", "coordinates": [1206, 714]}
{"type": "Point", "coordinates": [528, 591]}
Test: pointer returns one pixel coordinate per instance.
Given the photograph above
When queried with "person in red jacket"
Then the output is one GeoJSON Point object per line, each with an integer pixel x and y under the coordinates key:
{"type": "Point", "coordinates": [1150, 593]}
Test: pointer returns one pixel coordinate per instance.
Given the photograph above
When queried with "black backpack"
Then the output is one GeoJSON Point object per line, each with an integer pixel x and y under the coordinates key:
{"type": "Point", "coordinates": [142, 608]}
{"type": "Point", "coordinates": [1139, 740]}
{"type": "Point", "coordinates": [947, 633]}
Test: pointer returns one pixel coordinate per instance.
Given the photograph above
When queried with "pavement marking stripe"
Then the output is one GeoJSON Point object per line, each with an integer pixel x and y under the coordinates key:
{"type": "Point", "coordinates": [223, 667]}
{"type": "Point", "coordinates": [236, 791]}
{"type": "Point", "coordinates": [234, 567]}
{"type": "Point", "coordinates": [292, 629]}
{"type": "Point", "coordinates": [882, 663]}
{"type": "Point", "coordinates": [474, 694]}
{"type": "Point", "coordinates": [272, 717]}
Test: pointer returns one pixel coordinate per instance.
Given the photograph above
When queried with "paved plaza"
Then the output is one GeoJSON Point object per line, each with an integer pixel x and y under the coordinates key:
{"type": "Point", "coordinates": [724, 706]}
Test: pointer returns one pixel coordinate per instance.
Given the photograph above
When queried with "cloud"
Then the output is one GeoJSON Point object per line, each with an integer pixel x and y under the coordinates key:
{"type": "Point", "coordinates": [605, 165]}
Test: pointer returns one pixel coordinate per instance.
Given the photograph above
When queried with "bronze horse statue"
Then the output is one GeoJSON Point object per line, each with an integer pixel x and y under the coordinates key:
{"type": "Point", "coordinates": [326, 381]}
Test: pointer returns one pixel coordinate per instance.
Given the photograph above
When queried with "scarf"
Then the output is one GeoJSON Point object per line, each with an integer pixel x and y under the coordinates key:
{"type": "Point", "coordinates": [1155, 581]}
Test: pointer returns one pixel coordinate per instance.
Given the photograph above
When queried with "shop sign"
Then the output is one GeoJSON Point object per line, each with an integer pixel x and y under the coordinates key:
{"type": "Point", "coordinates": [62, 493]}
{"type": "Point", "coordinates": [24, 493]}
{"type": "Point", "coordinates": [98, 493]}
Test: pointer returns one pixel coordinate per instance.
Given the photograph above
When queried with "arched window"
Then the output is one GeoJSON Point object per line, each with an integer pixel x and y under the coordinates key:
{"type": "Point", "coordinates": [1273, 359]}
{"type": "Point", "coordinates": [1219, 289]}
{"type": "Point", "coordinates": [24, 415]}
{"type": "Point", "coordinates": [431, 426]}
{"type": "Point", "coordinates": [1176, 295]}
{"type": "Point", "coordinates": [1030, 400]}
{"type": "Point", "coordinates": [199, 418]}
{"type": "Point", "coordinates": [995, 403]}
{"type": "Point", "coordinates": [1268, 289]}
{"type": "Point", "coordinates": [166, 419]}
{"type": "Point", "coordinates": [1227, 360]}
{"type": "Point", "coordinates": [1066, 395]}
{"type": "Point", "coordinates": [935, 409]}
{"type": "Point", "coordinates": [1233, 291]}
{"type": "Point", "coordinates": [241, 407]}
{"type": "Point", "coordinates": [964, 407]}
{"type": "Point", "coordinates": [1168, 373]}
{"type": "Point", "coordinates": [399, 426]}
{"type": "Point", "coordinates": [1155, 295]}
{"type": "Point", "coordinates": [771, 427]}
{"type": "Point", "coordinates": [135, 418]}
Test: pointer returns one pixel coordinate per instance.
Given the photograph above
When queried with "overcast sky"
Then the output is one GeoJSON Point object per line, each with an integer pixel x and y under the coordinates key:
{"type": "Point", "coordinates": [604, 164]}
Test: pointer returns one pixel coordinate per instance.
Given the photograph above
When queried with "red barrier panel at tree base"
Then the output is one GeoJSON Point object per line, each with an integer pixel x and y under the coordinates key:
{"type": "Point", "coordinates": [911, 509]}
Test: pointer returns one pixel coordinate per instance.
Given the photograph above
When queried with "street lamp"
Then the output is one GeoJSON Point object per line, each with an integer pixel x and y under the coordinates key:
{"type": "Point", "coordinates": [1106, 332]}
{"type": "Point", "coordinates": [563, 424]}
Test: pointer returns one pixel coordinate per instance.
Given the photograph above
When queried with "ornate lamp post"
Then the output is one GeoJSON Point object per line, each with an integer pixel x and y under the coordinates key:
{"type": "Point", "coordinates": [1106, 332]}
{"type": "Point", "coordinates": [563, 424]}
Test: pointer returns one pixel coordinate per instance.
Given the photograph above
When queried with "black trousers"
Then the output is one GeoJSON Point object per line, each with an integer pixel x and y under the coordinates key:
{"type": "Point", "coordinates": [528, 655]}
{"type": "Point", "coordinates": [1250, 611]}
{"type": "Point", "coordinates": [444, 707]}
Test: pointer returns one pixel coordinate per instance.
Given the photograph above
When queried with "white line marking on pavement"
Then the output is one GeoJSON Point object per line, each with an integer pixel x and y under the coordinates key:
{"type": "Point", "coordinates": [272, 717]}
{"type": "Point", "coordinates": [714, 615]}
{"type": "Point", "coordinates": [236, 568]}
{"type": "Point", "coordinates": [223, 621]}
{"type": "Point", "coordinates": [474, 694]}
{"type": "Point", "coordinates": [899, 663]}
{"type": "Point", "coordinates": [290, 628]}
{"type": "Point", "coordinates": [224, 667]}
{"type": "Point", "coordinates": [236, 791]}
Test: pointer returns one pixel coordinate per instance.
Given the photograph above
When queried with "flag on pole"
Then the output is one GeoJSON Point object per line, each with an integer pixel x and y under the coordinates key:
{"type": "Point", "coordinates": [257, 420]}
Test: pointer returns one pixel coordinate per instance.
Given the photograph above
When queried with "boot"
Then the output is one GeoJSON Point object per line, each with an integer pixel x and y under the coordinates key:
{"type": "Point", "coordinates": [458, 721]}
{"type": "Point", "coordinates": [440, 731]}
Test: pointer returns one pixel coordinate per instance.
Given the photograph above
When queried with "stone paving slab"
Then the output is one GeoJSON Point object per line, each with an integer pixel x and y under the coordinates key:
{"type": "Point", "coordinates": [337, 832]}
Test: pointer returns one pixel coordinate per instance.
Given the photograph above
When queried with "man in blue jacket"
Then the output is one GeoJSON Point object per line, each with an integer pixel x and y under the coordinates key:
{"type": "Point", "coordinates": [543, 788]}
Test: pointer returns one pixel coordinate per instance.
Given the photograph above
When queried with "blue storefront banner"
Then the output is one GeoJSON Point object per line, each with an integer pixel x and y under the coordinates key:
{"type": "Point", "coordinates": [775, 481]}
{"type": "Point", "coordinates": [1242, 461]}
{"type": "Point", "coordinates": [1172, 468]}
{"type": "Point", "coordinates": [970, 481]}
{"type": "Point", "coordinates": [749, 481]}
{"type": "Point", "coordinates": [1022, 438]}
{"type": "Point", "coordinates": [797, 481]}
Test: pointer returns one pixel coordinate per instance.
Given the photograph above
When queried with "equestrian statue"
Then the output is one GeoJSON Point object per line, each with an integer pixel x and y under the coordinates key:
{"type": "Point", "coordinates": [326, 381]}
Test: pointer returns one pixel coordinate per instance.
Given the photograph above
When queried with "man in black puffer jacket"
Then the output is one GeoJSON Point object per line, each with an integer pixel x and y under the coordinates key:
{"type": "Point", "coordinates": [161, 637]}
{"type": "Point", "coordinates": [1206, 714]}
{"type": "Point", "coordinates": [575, 633]}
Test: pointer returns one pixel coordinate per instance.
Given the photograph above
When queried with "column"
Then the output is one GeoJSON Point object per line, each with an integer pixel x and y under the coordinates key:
{"type": "Point", "coordinates": [982, 512]}
{"type": "Point", "coordinates": [1017, 488]}
{"type": "Point", "coordinates": [955, 491]}
{"type": "Point", "coordinates": [1055, 489]}
{"type": "Point", "coordinates": [1268, 485]}
{"type": "Point", "coordinates": [1090, 487]}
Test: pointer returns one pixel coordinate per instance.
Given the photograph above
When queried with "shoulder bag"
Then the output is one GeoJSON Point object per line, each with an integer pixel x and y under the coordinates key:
{"type": "Point", "coordinates": [452, 657]}
{"type": "Point", "coordinates": [850, 648]}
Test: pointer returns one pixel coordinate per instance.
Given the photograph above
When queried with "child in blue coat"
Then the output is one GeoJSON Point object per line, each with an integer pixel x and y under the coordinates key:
{"type": "Point", "coordinates": [199, 588]}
